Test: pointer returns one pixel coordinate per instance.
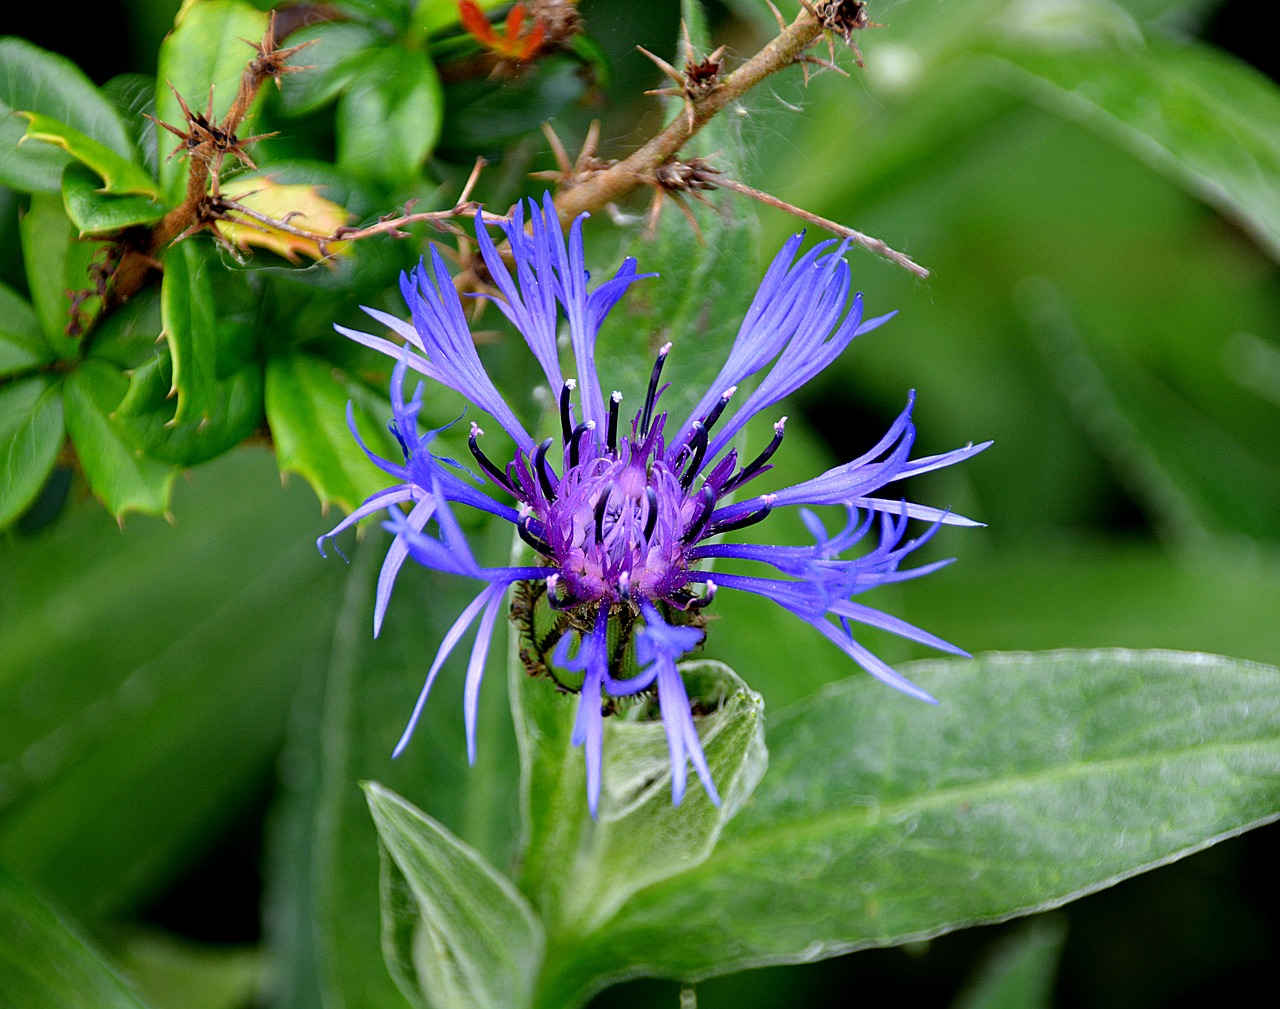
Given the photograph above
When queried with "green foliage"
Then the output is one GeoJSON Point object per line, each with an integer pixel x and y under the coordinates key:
{"type": "Point", "coordinates": [1096, 196]}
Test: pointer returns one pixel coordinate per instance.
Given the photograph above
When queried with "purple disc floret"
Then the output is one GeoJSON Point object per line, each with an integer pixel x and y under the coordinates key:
{"type": "Point", "coordinates": [623, 514]}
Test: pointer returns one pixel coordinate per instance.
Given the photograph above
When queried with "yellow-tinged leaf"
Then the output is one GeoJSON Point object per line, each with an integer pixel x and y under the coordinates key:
{"type": "Point", "coordinates": [309, 218]}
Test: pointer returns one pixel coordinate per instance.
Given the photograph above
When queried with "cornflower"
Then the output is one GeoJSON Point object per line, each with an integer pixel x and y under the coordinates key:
{"type": "Point", "coordinates": [622, 518]}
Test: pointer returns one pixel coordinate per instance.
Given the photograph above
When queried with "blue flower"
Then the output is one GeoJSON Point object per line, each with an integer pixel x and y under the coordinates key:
{"type": "Point", "coordinates": [621, 518]}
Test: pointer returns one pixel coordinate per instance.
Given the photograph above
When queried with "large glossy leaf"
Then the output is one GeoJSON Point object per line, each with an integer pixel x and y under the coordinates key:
{"type": "Point", "coordinates": [1020, 972]}
{"type": "Point", "coordinates": [324, 906]}
{"type": "Point", "coordinates": [1039, 779]}
{"type": "Point", "coordinates": [457, 934]}
{"type": "Point", "coordinates": [306, 403]}
{"type": "Point", "coordinates": [44, 961]}
{"type": "Point", "coordinates": [33, 80]}
{"type": "Point", "coordinates": [146, 676]}
{"type": "Point", "coordinates": [389, 115]}
{"type": "Point", "coordinates": [204, 55]}
{"type": "Point", "coordinates": [22, 344]}
{"type": "Point", "coordinates": [31, 432]}
{"type": "Point", "coordinates": [334, 58]}
{"type": "Point", "coordinates": [119, 473]}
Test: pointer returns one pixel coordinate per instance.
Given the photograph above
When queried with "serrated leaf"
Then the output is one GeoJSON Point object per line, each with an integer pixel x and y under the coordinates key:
{"type": "Point", "coordinates": [96, 214]}
{"type": "Point", "coordinates": [456, 933]}
{"type": "Point", "coordinates": [190, 326]}
{"type": "Point", "coordinates": [1040, 778]}
{"type": "Point", "coordinates": [389, 116]}
{"type": "Point", "coordinates": [130, 335]}
{"type": "Point", "coordinates": [134, 99]}
{"type": "Point", "coordinates": [120, 175]}
{"type": "Point", "coordinates": [22, 345]}
{"type": "Point", "coordinates": [31, 433]}
{"type": "Point", "coordinates": [1201, 117]}
{"type": "Point", "coordinates": [160, 675]}
{"type": "Point", "coordinates": [46, 962]}
{"type": "Point", "coordinates": [147, 413]}
{"type": "Point", "coordinates": [299, 205]}
{"type": "Point", "coordinates": [579, 871]}
{"type": "Point", "coordinates": [57, 266]}
{"type": "Point", "coordinates": [124, 478]}
{"type": "Point", "coordinates": [204, 51]}
{"type": "Point", "coordinates": [34, 80]}
{"type": "Point", "coordinates": [306, 404]}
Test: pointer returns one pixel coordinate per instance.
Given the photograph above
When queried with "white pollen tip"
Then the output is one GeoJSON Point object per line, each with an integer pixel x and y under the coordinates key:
{"type": "Point", "coordinates": [591, 425]}
{"type": "Point", "coordinates": [571, 383]}
{"type": "Point", "coordinates": [728, 393]}
{"type": "Point", "coordinates": [616, 397]}
{"type": "Point", "coordinates": [780, 425]}
{"type": "Point", "coordinates": [665, 350]}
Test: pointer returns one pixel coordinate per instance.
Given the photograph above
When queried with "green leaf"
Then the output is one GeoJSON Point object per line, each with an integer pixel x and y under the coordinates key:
{"type": "Point", "coordinates": [389, 116]}
{"type": "Point", "coordinates": [31, 433]}
{"type": "Point", "coordinates": [120, 175]}
{"type": "Point", "coordinates": [1201, 117]}
{"type": "Point", "coordinates": [1020, 972]}
{"type": "Point", "coordinates": [306, 403]}
{"type": "Point", "coordinates": [95, 214]}
{"type": "Point", "coordinates": [45, 962]}
{"type": "Point", "coordinates": [579, 871]}
{"type": "Point", "coordinates": [160, 665]}
{"type": "Point", "coordinates": [57, 264]}
{"type": "Point", "coordinates": [1040, 778]}
{"type": "Point", "coordinates": [130, 335]}
{"type": "Point", "coordinates": [482, 115]}
{"type": "Point", "coordinates": [124, 478]}
{"type": "Point", "coordinates": [335, 58]}
{"type": "Point", "coordinates": [327, 933]}
{"type": "Point", "coordinates": [147, 412]}
{"type": "Point", "coordinates": [179, 974]}
{"type": "Point", "coordinates": [454, 929]}
{"type": "Point", "coordinates": [33, 80]}
{"type": "Point", "coordinates": [134, 98]}
{"type": "Point", "coordinates": [190, 323]}
{"type": "Point", "coordinates": [204, 51]}
{"type": "Point", "coordinates": [22, 345]}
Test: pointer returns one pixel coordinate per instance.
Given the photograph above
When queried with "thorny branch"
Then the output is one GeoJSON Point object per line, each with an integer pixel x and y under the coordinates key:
{"type": "Point", "coordinates": [585, 184]}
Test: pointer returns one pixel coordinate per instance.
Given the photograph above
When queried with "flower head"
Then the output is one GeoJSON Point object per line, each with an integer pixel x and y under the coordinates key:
{"type": "Point", "coordinates": [622, 514]}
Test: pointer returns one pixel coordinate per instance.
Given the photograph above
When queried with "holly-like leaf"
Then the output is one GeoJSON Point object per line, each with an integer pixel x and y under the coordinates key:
{"type": "Point", "coordinates": [63, 294]}
{"type": "Point", "coordinates": [190, 325]}
{"type": "Point", "coordinates": [22, 345]}
{"type": "Point", "coordinates": [120, 175]}
{"type": "Point", "coordinates": [306, 403]}
{"type": "Point", "coordinates": [116, 468]}
{"type": "Point", "coordinates": [33, 80]}
{"type": "Point", "coordinates": [94, 213]}
{"type": "Point", "coordinates": [298, 205]}
{"type": "Point", "coordinates": [457, 934]}
{"type": "Point", "coordinates": [31, 432]}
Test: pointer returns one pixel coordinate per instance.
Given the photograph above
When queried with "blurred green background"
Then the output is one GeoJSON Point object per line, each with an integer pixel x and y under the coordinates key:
{"type": "Point", "coordinates": [174, 716]}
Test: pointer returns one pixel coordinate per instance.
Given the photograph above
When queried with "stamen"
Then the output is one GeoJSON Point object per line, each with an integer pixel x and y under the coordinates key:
{"type": "Point", "coordinates": [611, 441]}
{"type": "Point", "coordinates": [524, 526]}
{"type": "Point", "coordinates": [749, 519]}
{"type": "Point", "coordinates": [754, 468]}
{"type": "Point", "coordinates": [575, 442]}
{"type": "Point", "coordinates": [542, 470]}
{"type": "Point", "coordinates": [698, 441]}
{"type": "Point", "coordinates": [651, 519]}
{"type": "Point", "coordinates": [602, 503]}
{"type": "Point", "coordinates": [706, 504]}
{"type": "Point", "coordinates": [566, 413]}
{"type": "Point", "coordinates": [652, 396]}
{"type": "Point", "coordinates": [624, 586]}
{"type": "Point", "coordinates": [698, 602]}
{"type": "Point", "coordinates": [495, 474]}
{"type": "Point", "coordinates": [709, 421]}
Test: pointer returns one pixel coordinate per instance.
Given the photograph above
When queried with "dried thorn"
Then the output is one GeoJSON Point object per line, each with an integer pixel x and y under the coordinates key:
{"type": "Point", "coordinates": [557, 149]}
{"type": "Point", "coordinates": [825, 64]}
{"type": "Point", "coordinates": [664, 66]}
{"type": "Point", "coordinates": [782, 22]}
{"type": "Point", "coordinates": [472, 179]}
